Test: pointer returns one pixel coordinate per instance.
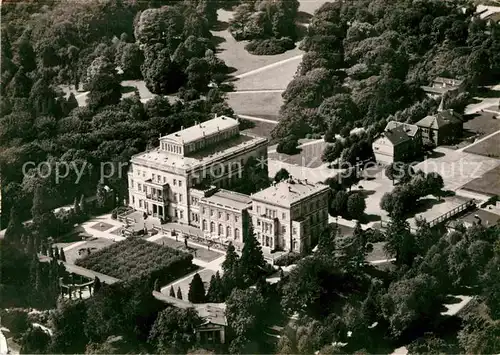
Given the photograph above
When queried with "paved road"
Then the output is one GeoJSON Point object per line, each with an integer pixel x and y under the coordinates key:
{"type": "Point", "coordinates": [270, 66]}
{"type": "Point", "coordinates": [254, 91]}
{"type": "Point", "coordinates": [253, 118]}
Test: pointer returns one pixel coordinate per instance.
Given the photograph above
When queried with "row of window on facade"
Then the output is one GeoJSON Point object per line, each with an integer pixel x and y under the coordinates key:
{"type": "Point", "coordinates": [268, 228]}
{"type": "Point", "coordinates": [173, 148]}
{"type": "Point", "coordinates": [157, 193]}
{"type": "Point", "coordinates": [219, 214]}
{"type": "Point", "coordinates": [157, 178]}
{"type": "Point", "coordinates": [220, 229]}
{"type": "Point", "coordinates": [270, 213]}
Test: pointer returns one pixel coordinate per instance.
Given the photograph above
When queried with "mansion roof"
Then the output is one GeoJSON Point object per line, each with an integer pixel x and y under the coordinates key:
{"type": "Point", "coordinates": [203, 129]}
{"type": "Point", "coordinates": [287, 192]}
{"type": "Point", "coordinates": [228, 199]}
{"type": "Point", "coordinates": [439, 120]}
{"type": "Point", "coordinates": [162, 160]}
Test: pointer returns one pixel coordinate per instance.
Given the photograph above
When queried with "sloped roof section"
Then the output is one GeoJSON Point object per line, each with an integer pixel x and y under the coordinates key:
{"type": "Point", "coordinates": [439, 120]}
{"type": "Point", "coordinates": [410, 129]}
{"type": "Point", "coordinates": [397, 135]}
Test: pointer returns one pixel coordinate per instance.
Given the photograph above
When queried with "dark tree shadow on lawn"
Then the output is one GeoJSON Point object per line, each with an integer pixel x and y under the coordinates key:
{"type": "Point", "coordinates": [486, 92]}
{"type": "Point", "coordinates": [367, 218]}
{"type": "Point", "coordinates": [469, 117]}
{"type": "Point", "coordinates": [447, 193]}
{"type": "Point", "coordinates": [425, 204]}
{"type": "Point", "coordinates": [227, 86]}
{"type": "Point", "coordinates": [432, 154]}
{"type": "Point", "coordinates": [127, 89]}
{"type": "Point", "coordinates": [304, 17]}
{"type": "Point", "coordinates": [365, 193]}
{"type": "Point", "coordinates": [220, 26]}
{"type": "Point", "coordinates": [301, 32]}
{"type": "Point", "coordinates": [451, 300]}
{"type": "Point", "coordinates": [217, 40]}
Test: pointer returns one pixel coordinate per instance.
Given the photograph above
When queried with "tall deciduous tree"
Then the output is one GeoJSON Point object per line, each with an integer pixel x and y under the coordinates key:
{"type": "Point", "coordinates": [400, 241]}
{"type": "Point", "coordinates": [174, 330]}
{"type": "Point", "coordinates": [245, 310]}
{"type": "Point", "coordinates": [104, 88]}
{"type": "Point", "coordinates": [409, 301]}
{"type": "Point", "coordinates": [356, 205]}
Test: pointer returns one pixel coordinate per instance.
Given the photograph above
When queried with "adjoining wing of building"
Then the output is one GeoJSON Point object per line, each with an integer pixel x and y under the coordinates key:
{"type": "Point", "coordinates": [184, 180]}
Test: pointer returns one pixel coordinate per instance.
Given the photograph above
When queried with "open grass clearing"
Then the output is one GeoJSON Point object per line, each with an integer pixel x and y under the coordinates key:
{"type": "Point", "coordinates": [260, 104]}
{"type": "Point", "coordinates": [261, 129]}
{"type": "Point", "coordinates": [489, 147]}
{"type": "Point", "coordinates": [309, 155]}
{"type": "Point", "coordinates": [482, 124]}
{"type": "Point", "coordinates": [488, 184]}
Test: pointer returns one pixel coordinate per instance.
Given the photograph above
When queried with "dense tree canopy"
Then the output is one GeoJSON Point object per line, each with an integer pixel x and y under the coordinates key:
{"type": "Point", "coordinates": [375, 55]}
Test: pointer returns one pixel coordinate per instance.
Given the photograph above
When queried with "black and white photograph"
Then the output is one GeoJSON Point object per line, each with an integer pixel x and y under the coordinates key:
{"type": "Point", "coordinates": [288, 177]}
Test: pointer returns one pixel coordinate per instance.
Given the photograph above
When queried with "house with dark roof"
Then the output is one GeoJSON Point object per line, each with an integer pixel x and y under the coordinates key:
{"type": "Point", "coordinates": [442, 128]}
{"type": "Point", "coordinates": [399, 142]}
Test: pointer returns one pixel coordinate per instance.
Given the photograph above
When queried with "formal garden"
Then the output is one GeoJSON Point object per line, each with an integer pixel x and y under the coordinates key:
{"type": "Point", "coordinates": [141, 259]}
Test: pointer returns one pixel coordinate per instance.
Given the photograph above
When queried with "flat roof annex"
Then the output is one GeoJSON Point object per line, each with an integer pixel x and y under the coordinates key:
{"type": "Point", "coordinates": [200, 130]}
{"type": "Point", "coordinates": [286, 193]}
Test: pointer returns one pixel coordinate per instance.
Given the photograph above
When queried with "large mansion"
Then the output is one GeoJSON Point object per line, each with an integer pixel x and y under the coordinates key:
{"type": "Point", "coordinates": [185, 180]}
{"type": "Point", "coordinates": [162, 181]}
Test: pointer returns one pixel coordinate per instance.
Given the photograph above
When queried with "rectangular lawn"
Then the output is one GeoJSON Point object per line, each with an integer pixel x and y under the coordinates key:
{"type": "Point", "coordinates": [489, 147]}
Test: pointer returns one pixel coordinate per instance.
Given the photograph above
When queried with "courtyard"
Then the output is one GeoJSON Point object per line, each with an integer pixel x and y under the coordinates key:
{"type": "Point", "coordinates": [309, 155]}
{"type": "Point", "coordinates": [81, 249]}
{"type": "Point", "coordinates": [457, 167]}
{"type": "Point", "coordinates": [198, 252]}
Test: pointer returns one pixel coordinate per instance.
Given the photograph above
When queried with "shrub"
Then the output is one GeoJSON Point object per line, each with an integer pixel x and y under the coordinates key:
{"type": "Point", "coordinates": [270, 46]}
{"type": "Point", "coordinates": [288, 145]}
{"type": "Point", "coordinates": [287, 259]}
{"type": "Point", "coordinates": [491, 201]}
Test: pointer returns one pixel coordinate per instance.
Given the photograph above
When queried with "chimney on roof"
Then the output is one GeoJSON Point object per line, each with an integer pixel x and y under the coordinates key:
{"type": "Point", "coordinates": [289, 189]}
{"type": "Point", "coordinates": [305, 180]}
{"type": "Point", "coordinates": [215, 115]}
